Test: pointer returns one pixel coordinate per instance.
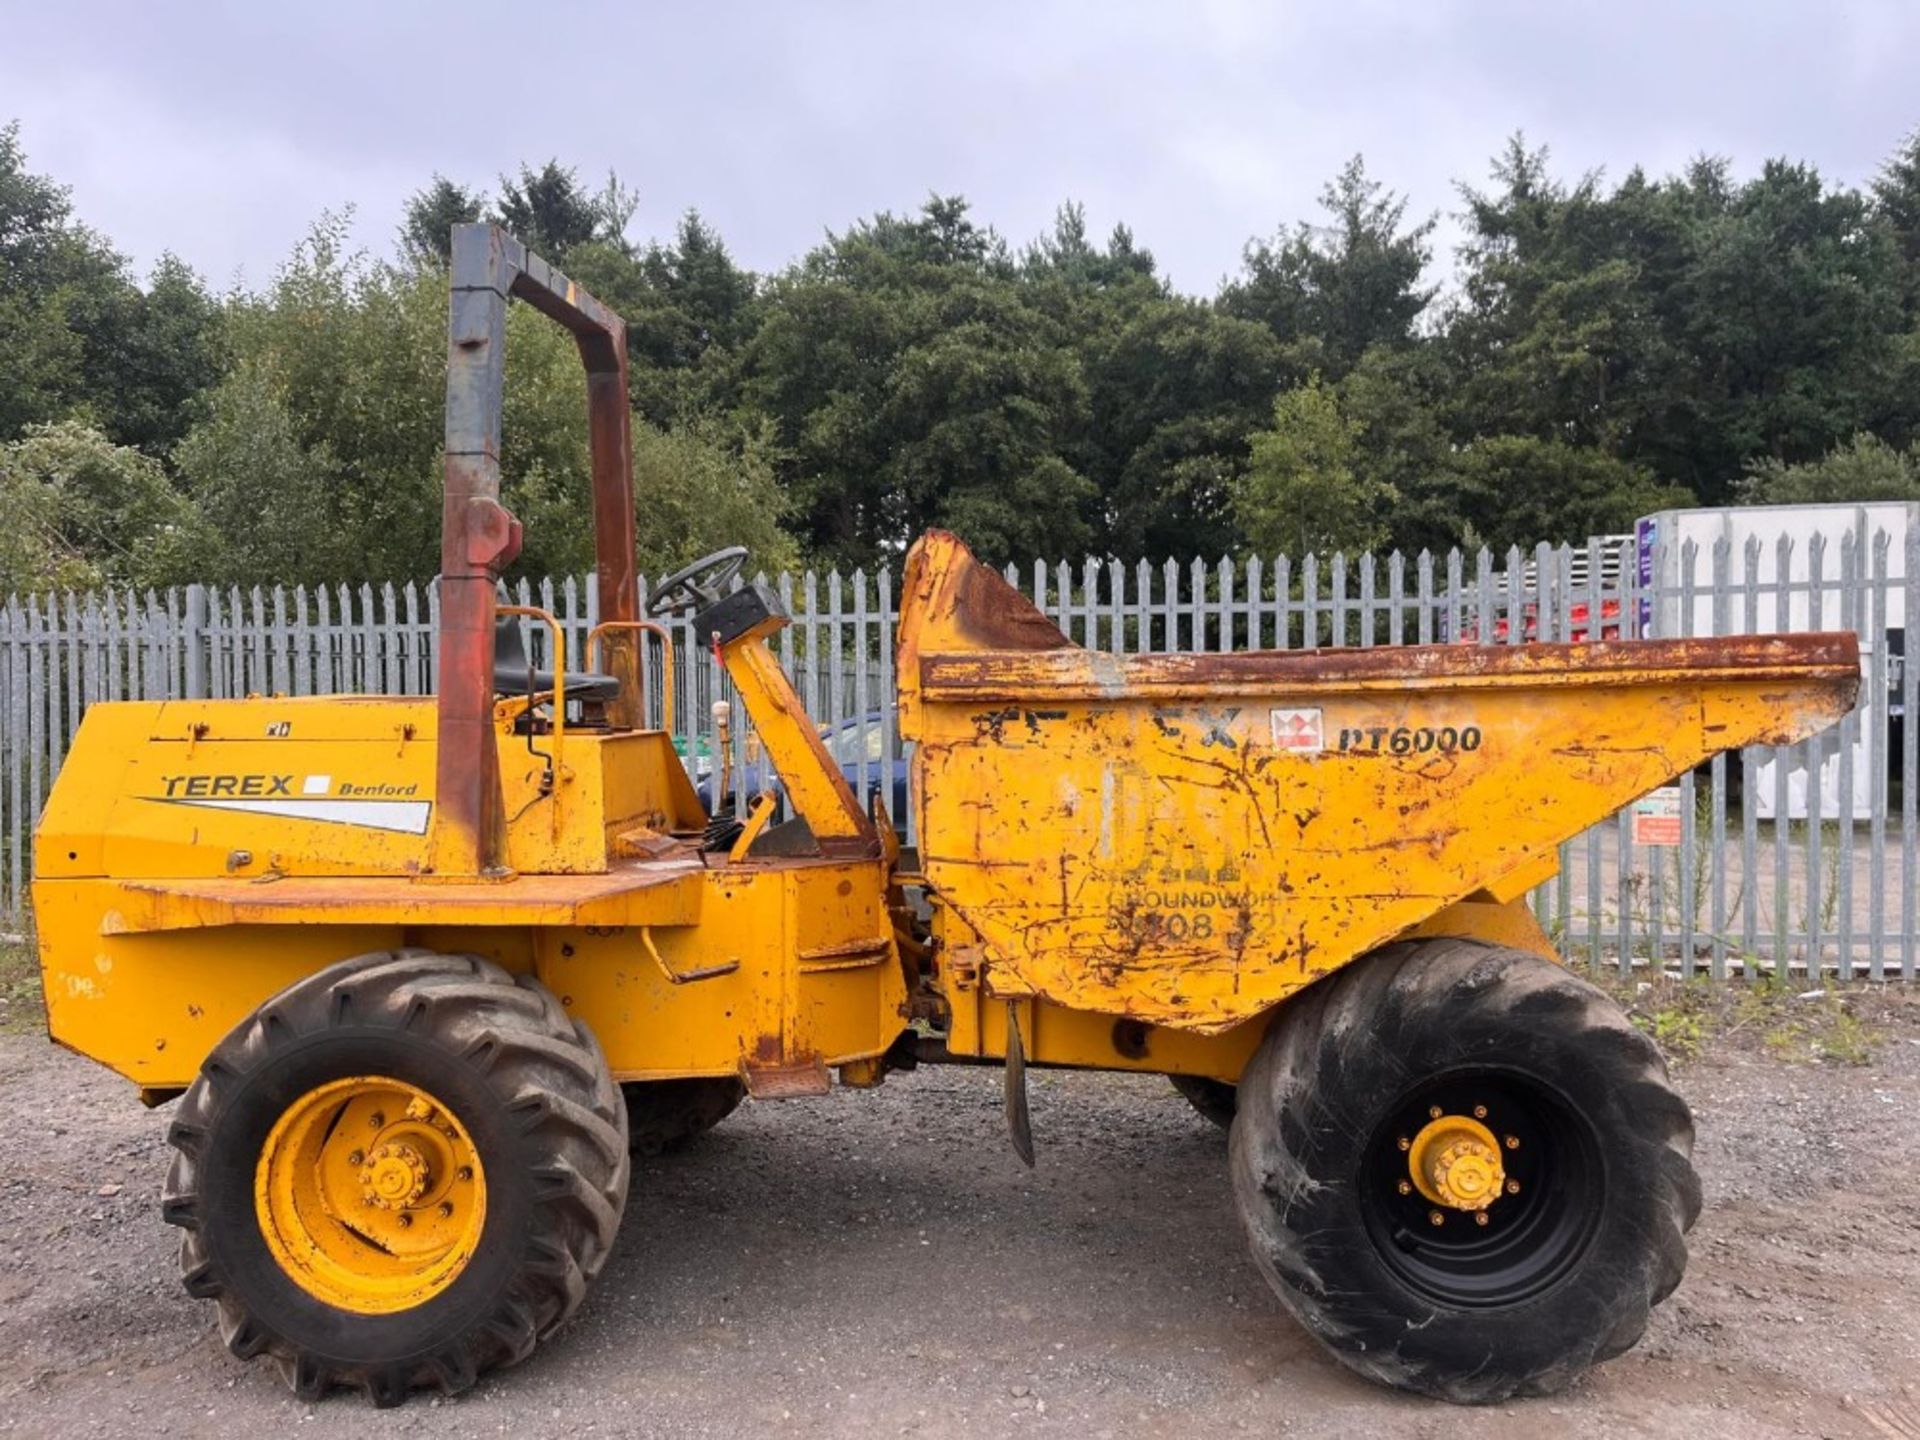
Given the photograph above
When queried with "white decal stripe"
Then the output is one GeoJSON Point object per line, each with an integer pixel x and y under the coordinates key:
{"type": "Point", "coordinates": [404, 817]}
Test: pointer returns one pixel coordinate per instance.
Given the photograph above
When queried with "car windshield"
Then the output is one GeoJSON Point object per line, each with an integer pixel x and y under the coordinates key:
{"type": "Point", "coordinates": [857, 738]}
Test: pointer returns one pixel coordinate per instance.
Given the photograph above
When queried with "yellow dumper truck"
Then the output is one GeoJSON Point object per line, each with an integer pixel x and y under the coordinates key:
{"type": "Point", "coordinates": [421, 971]}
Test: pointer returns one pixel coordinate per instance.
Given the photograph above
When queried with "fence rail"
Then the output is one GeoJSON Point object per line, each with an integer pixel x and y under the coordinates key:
{"type": "Point", "coordinates": [1796, 859]}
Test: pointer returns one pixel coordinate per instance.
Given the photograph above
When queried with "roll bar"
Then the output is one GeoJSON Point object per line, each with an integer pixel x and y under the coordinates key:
{"type": "Point", "coordinates": [479, 538]}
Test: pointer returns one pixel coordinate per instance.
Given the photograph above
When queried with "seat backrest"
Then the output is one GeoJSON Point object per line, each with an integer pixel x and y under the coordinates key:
{"type": "Point", "coordinates": [510, 662]}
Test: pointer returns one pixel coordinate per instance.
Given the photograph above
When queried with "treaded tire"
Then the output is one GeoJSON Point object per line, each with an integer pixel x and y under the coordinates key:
{"type": "Point", "coordinates": [1214, 1099]}
{"type": "Point", "coordinates": [1325, 1082]}
{"type": "Point", "coordinates": [534, 1093]}
{"type": "Point", "coordinates": [664, 1115]}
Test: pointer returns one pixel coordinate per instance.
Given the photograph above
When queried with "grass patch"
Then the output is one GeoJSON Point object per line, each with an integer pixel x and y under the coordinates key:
{"type": "Point", "coordinates": [22, 1007]}
{"type": "Point", "coordinates": [1686, 1017]}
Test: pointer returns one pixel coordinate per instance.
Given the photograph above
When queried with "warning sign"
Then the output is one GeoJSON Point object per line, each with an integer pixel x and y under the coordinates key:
{"type": "Point", "coordinates": [1656, 817]}
{"type": "Point", "coordinates": [1299, 730]}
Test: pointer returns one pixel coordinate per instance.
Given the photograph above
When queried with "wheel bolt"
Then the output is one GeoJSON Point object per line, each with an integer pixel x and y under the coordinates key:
{"type": "Point", "coordinates": [1434, 1112]}
{"type": "Point", "coordinates": [1434, 1217]}
{"type": "Point", "coordinates": [1513, 1142]}
{"type": "Point", "coordinates": [446, 1210]}
{"type": "Point", "coordinates": [1406, 1187]}
{"type": "Point", "coordinates": [356, 1157]}
{"type": "Point", "coordinates": [1479, 1217]}
{"type": "Point", "coordinates": [465, 1172]}
{"type": "Point", "coordinates": [1479, 1112]}
{"type": "Point", "coordinates": [377, 1119]}
{"type": "Point", "coordinates": [1513, 1187]}
{"type": "Point", "coordinates": [404, 1220]}
{"type": "Point", "coordinates": [1405, 1144]}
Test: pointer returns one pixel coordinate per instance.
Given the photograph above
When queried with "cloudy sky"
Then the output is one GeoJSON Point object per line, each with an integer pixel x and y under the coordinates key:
{"type": "Point", "coordinates": [220, 131]}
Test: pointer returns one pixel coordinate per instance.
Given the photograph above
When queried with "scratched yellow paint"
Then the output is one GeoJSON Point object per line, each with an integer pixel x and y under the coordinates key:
{"type": "Point", "coordinates": [1188, 839]}
{"type": "Point", "coordinates": [197, 857]}
{"type": "Point", "coordinates": [1139, 856]}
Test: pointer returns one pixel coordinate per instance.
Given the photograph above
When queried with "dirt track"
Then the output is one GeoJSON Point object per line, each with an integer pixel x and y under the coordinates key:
{"type": "Point", "coordinates": [880, 1264]}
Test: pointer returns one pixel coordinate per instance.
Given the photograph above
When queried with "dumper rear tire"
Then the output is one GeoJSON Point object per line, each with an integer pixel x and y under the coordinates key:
{"type": "Point", "coordinates": [664, 1115]}
{"type": "Point", "coordinates": [400, 1172]}
{"type": "Point", "coordinates": [1586, 1154]}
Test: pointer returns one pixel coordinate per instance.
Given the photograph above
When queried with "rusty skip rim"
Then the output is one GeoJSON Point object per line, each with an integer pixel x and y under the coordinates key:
{"type": "Point", "coordinates": [1821, 658]}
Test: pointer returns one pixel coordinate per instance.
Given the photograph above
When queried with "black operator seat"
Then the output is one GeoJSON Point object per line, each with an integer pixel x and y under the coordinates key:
{"type": "Point", "coordinates": [512, 673]}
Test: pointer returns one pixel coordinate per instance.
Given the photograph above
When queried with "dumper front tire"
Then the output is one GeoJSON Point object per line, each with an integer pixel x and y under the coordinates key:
{"type": "Point", "coordinates": [1534, 1086]}
{"type": "Point", "coordinates": [400, 1172]}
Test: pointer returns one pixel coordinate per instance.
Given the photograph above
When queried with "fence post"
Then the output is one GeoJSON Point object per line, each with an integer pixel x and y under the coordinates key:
{"type": "Point", "coordinates": [195, 629]}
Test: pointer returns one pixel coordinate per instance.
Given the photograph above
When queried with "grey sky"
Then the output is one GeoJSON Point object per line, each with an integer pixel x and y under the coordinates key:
{"type": "Point", "coordinates": [220, 131]}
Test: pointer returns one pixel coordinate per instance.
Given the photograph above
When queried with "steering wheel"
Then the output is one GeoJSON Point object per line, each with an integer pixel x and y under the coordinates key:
{"type": "Point", "coordinates": [697, 585]}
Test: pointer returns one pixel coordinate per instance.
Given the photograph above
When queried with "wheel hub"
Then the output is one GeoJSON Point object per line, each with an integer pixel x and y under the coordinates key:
{"type": "Point", "coordinates": [1455, 1161]}
{"type": "Point", "coordinates": [396, 1177]}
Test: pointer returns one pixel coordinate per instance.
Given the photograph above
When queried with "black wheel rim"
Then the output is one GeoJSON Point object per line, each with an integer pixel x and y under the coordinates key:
{"type": "Point", "coordinates": [1532, 1238]}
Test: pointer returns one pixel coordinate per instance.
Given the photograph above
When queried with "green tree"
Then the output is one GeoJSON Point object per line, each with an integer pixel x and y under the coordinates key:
{"type": "Point", "coordinates": [271, 500]}
{"type": "Point", "coordinates": [152, 355]}
{"type": "Point", "coordinates": [1896, 195]}
{"type": "Point", "coordinates": [1304, 491]}
{"type": "Point", "coordinates": [320, 458]}
{"type": "Point", "coordinates": [81, 340]}
{"type": "Point", "coordinates": [426, 226]}
{"type": "Point", "coordinates": [1334, 291]}
{"type": "Point", "coordinates": [551, 211]}
{"type": "Point", "coordinates": [1521, 490]}
{"type": "Point", "coordinates": [76, 510]}
{"type": "Point", "coordinates": [1173, 388]}
{"type": "Point", "coordinates": [1394, 397]}
{"type": "Point", "coordinates": [1865, 468]}
{"type": "Point", "coordinates": [1795, 312]}
{"type": "Point", "coordinates": [53, 271]}
{"type": "Point", "coordinates": [1687, 326]}
{"type": "Point", "coordinates": [1553, 334]}
{"type": "Point", "coordinates": [913, 382]}
{"type": "Point", "coordinates": [689, 309]}
{"type": "Point", "coordinates": [1896, 204]}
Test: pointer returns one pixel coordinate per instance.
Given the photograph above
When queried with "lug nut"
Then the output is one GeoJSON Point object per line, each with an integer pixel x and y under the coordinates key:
{"type": "Point", "coordinates": [356, 1157]}
{"type": "Point", "coordinates": [1406, 1187]}
{"type": "Point", "coordinates": [1405, 1144]}
{"type": "Point", "coordinates": [1434, 1112]}
{"type": "Point", "coordinates": [1513, 1142]}
{"type": "Point", "coordinates": [1479, 1112]}
{"type": "Point", "coordinates": [377, 1119]}
{"type": "Point", "coordinates": [1479, 1217]}
{"type": "Point", "coordinates": [1513, 1187]}
{"type": "Point", "coordinates": [446, 1210]}
{"type": "Point", "coordinates": [404, 1220]}
{"type": "Point", "coordinates": [465, 1172]}
{"type": "Point", "coordinates": [1434, 1217]}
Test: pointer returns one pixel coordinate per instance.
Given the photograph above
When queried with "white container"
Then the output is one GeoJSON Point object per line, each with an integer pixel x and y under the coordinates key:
{"type": "Point", "coordinates": [1659, 542]}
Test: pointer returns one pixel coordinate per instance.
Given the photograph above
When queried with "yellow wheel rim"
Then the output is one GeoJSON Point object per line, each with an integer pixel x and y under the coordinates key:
{"type": "Point", "coordinates": [370, 1194]}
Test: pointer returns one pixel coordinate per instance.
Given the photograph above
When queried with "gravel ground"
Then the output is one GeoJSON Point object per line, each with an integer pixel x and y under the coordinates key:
{"type": "Point", "coordinates": [877, 1264]}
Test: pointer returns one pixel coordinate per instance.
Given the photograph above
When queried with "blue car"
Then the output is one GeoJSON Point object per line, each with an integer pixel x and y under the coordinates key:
{"type": "Point", "coordinates": [847, 742]}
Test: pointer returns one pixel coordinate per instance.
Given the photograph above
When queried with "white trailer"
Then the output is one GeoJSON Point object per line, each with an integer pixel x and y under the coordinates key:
{"type": "Point", "coordinates": [1789, 539]}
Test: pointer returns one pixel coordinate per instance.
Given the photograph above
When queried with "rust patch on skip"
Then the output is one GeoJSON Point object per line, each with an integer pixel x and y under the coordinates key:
{"type": "Point", "coordinates": [1067, 674]}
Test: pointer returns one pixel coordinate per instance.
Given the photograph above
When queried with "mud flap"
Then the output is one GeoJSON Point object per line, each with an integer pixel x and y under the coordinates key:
{"type": "Point", "coordinates": [1019, 1128]}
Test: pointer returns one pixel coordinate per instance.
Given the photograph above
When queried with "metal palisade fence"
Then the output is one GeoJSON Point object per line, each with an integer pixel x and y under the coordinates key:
{"type": "Point", "coordinates": [1798, 859]}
